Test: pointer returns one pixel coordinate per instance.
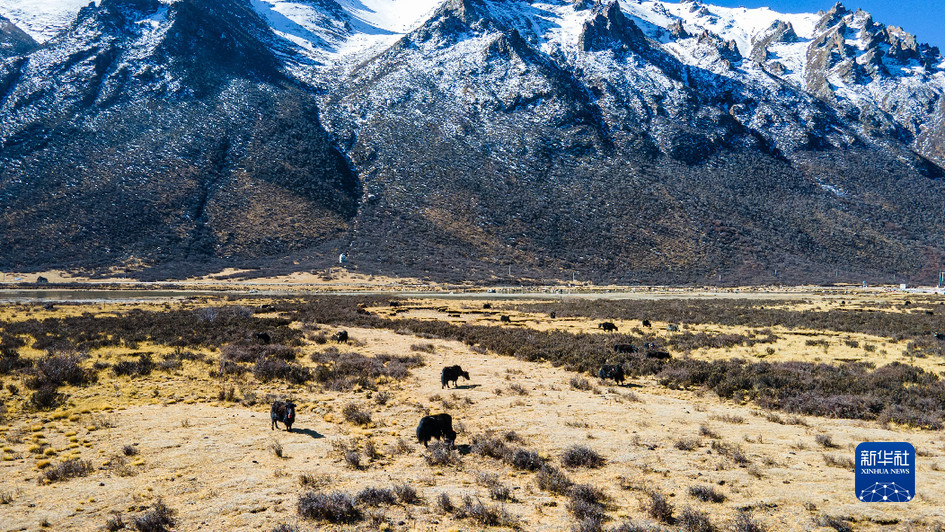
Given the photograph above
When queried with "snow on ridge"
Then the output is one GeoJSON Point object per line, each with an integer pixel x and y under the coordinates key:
{"type": "Point", "coordinates": [330, 35]}
{"type": "Point", "coordinates": [730, 23]}
{"type": "Point", "coordinates": [395, 16]}
{"type": "Point", "coordinates": [42, 19]}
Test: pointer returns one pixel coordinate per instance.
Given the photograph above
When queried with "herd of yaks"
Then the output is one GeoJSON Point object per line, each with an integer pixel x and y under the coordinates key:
{"type": "Point", "coordinates": [440, 426]}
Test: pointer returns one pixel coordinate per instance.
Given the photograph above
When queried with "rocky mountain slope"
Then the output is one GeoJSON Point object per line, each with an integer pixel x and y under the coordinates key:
{"type": "Point", "coordinates": [636, 141]}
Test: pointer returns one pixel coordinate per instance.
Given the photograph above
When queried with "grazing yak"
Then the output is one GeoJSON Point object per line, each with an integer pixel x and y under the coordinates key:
{"type": "Point", "coordinates": [341, 337]}
{"type": "Point", "coordinates": [939, 336]}
{"type": "Point", "coordinates": [614, 372]}
{"type": "Point", "coordinates": [625, 348]}
{"type": "Point", "coordinates": [552, 315]}
{"type": "Point", "coordinates": [282, 411]}
{"type": "Point", "coordinates": [658, 355]}
{"type": "Point", "coordinates": [263, 338]}
{"type": "Point", "coordinates": [452, 374]}
{"type": "Point", "coordinates": [505, 319]}
{"type": "Point", "coordinates": [439, 426]}
{"type": "Point", "coordinates": [486, 305]}
{"type": "Point", "coordinates": [607, 326]}
{"type": "Point", "coordinates": [646, 323]}
{"type": "Point", "coordinates": [672, 327]}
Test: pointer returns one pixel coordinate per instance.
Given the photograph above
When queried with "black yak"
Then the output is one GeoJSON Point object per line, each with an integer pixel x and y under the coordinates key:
{"type": "Point", "coordinates": [341, 337]}
{"type": "Point", "coordinates": [282, 411]}
{"type": "Point", "coordinates": [607, 326]}
{"type": "Point", "coordinates": [439, 426]}
{"type": "Point", "coordinates": [614, 372]}
{"type": "Point", "coordinates": [452, 374]}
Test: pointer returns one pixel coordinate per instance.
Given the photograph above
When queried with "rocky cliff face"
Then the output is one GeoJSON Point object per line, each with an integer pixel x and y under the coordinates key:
{"type": "Point", "coordinates": [13, 40]}
{"type": "Point", "coordinates": [648, 141]}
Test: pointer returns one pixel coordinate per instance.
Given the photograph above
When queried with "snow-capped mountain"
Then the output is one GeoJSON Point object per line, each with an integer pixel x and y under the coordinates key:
{"type": "Point", "coordinates": [631, 140]}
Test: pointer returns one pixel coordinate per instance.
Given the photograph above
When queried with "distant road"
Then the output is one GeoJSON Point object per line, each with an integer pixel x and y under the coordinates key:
{"type": "Point", "coordinates": [100, 294]}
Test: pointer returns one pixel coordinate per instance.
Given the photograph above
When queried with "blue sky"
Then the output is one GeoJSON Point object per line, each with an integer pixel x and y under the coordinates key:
{"type": "Point", "coordinates": [926, 20]}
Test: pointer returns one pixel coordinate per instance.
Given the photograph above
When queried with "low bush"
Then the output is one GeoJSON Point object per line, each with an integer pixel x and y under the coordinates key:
{"type": "Point", "coordinates": [580, 456]}
{"type": "Point", "coordinates": [525, 460]}
{"type": "Point", "coordinates": [491, 445]}
{"type": "Point", "coordinates": [159, 519]}
{"type": "Point", "coordinates": [744, 522]}
{"type": "Point", "coordinates": [843, 462]}
{"type": "Point", "coordinates": [11, 361]}
{"type": "Point", "coordinates": [46, 398]}
{"type": "Point", "coordinates": [444, 504]}
{"type": "Point", "coordinates": [353, 458]}
{"type": "Point", "coordinates": [706, 494]}
{"type": "Point", "coordinates": [590, 524]}
{"type": "Point", "coordinates": [341, 371]}
{"type": "Point", "coordinates": [251, 352]}
{"type": "Point", "coordinates": [687, 444]}
{"type": "Point", "coordinates": [355, 413]}
{"type": "Point", "coordinates": [441, 453]}
{"type": "Point", "coordinates": [691, 520]}
{"type": "Point", "coordinates": [733, 451]}
{"type": "Point", "coordinates": [585, 503]}
{"type": "Point", "coordinates": [382, 397]}
{"type": "Point", "coordinates": [114, 523]}
{"type": "Point", "coordinates": [497, 490]}
{"type": "Point", "coordinates": [659, 508]}
{"type": "Point", "coordinates": [632, 527]}
{"type": "Point", "coordinates": [552, 479]}
{"type": "Point", "coordinates": [71, 468]}
{"type": "Point", "coordinates": [58, 370]}
{"type": "Point", "coordinates": [376, 496]}
{"type": "Point", "coordinates": [407, 494]}
{"type": "Point", "coordinates": [335, 507]}
{"type": "Point", "coordinates": [708, 432]}
{"type": "Point", "coordinates": [134, 368]}
{"type": "Point", "coordinates": [837, 523]}
{"type": "Point", "coordinates": [485, 515]}
{"type": "Point", "coordinates": [580, 383]}
{"type": "Point", "coordinates": [825, 441]}
{"type": "Point", "coordinates": [267, 369]}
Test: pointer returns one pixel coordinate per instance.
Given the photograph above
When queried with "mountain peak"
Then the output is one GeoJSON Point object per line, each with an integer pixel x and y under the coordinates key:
{"type": "Point", "coordinates": [467, 11]}
{"type": "Point", "coordinates": [610, 29]}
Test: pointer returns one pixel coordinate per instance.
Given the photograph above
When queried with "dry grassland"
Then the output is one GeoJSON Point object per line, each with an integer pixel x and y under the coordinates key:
{"type": "Point", "coordinates": [190, 444]}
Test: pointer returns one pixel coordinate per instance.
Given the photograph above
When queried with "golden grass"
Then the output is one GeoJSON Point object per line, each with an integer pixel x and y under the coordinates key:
{"type": "Point", "coordinates": [211, 460]}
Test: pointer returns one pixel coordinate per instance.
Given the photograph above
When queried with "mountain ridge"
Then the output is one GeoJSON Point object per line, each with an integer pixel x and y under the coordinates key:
{"type": "Point", "coordinates": [637, 141]}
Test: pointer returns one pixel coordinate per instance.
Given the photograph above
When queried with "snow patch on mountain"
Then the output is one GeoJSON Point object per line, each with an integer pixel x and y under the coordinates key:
{"type": "Point", "coordinates": [42, 19]}
{"type": "Point", "coordinates": [330, 32]}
